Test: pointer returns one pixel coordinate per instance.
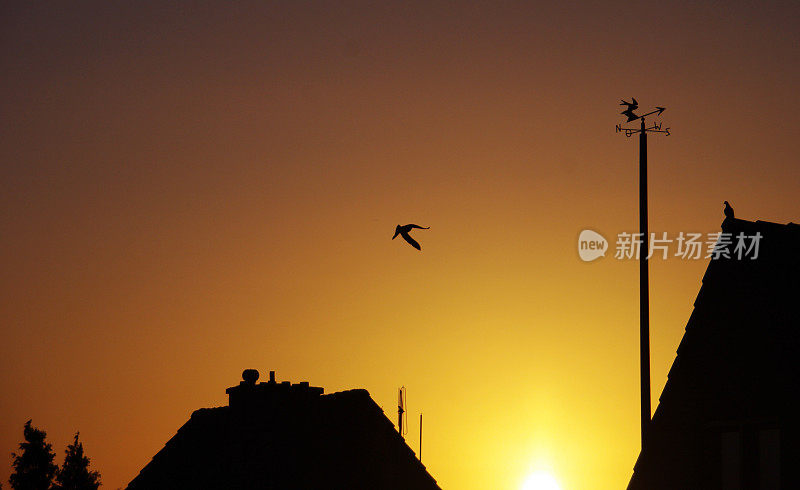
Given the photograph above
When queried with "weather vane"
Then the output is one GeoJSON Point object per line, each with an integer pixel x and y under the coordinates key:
{"type": "Point", "coordinates": [628, 112]}
{"type": "Point", "coordinates": [644, 274]}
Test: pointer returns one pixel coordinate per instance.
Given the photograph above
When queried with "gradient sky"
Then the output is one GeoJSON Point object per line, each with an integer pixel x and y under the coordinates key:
{"type": "Point", "coordinates": [189, 189]}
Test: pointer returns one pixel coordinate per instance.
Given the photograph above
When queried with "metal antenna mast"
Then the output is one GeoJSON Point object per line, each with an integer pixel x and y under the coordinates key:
{"type": "Point", "coordinates": [401, 410]}
{"type": "Point", "coordinates": [644, 280]}
{"type": "Point", "coordinates": [420, 437]}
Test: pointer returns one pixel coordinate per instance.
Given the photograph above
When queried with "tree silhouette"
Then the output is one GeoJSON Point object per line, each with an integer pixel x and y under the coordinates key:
{"type": "Point", "coordinates": [33, 468]}
{"type": "Point", "coordinates": [74, 473]}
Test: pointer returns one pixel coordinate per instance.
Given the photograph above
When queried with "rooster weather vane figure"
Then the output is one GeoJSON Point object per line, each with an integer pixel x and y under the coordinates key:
{"type": "Point", "coordinates": [632, 116]}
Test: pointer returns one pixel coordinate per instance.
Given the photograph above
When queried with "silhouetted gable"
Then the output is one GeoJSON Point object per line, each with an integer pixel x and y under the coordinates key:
{"type": "Point", "coordinates": [727, 414]}
{"type": "Point", "coordinates": [283, 436]}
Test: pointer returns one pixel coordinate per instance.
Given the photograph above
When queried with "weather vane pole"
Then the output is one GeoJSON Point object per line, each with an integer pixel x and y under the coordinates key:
{"type": "Point", "coordinates": [644, 281]}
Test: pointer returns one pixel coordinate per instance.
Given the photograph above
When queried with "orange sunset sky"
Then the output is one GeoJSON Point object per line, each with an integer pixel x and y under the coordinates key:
{"type": "Point", "coordinates": [193, 188]}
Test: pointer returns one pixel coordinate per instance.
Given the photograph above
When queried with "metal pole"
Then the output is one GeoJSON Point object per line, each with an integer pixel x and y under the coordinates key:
{"type": "Point", "coordinates": [420, 438]}
{"type": "Point", "coordinates": [644, 297]}
{"type": "Point", "coordinates": [401, 408]}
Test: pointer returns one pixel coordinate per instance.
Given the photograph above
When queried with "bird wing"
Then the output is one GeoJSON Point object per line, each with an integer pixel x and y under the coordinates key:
{"type": "Point", "coordinates": [410, 240]}
{"type": "Point", "coordinates": [417, 226]}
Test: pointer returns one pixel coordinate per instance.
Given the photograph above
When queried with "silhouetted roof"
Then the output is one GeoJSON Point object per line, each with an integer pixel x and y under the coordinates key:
{"type": "Point", "coordinates": [735, 374]}
{"type": "Point", "coordinates": [286, 436]}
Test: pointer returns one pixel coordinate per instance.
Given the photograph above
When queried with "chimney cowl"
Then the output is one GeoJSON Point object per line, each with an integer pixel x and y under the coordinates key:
{"type": "Point", "coordinates": [250, 376]}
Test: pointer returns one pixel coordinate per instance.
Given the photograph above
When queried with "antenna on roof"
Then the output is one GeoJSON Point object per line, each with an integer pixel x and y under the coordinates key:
{"type": "Point", "coordinates": [401, 410]}
{"type": "Point", "coordinates": [420, 437]}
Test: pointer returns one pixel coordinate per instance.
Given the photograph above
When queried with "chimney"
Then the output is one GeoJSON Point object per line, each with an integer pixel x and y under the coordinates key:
{"type": "Point", "coordinates": [250, 394]}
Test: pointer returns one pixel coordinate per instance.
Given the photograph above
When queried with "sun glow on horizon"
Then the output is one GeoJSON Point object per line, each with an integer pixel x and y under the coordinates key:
{"type": "Point", "coordinates": [540, 480]}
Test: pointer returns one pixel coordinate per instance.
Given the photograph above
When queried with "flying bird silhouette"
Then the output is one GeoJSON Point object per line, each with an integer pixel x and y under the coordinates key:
{"type": "Point", "coordinates": [632, 106]}
{"type": "Point", "coordinates": [728, 210]}
{"type": "Point", "coordinates": [403, 232]}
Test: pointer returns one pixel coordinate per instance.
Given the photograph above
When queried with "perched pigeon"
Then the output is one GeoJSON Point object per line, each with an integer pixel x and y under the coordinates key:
{"type": "Point", "coordinates": [728, 210]}
{"type": "Point", "coordinates": [403, 231]}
